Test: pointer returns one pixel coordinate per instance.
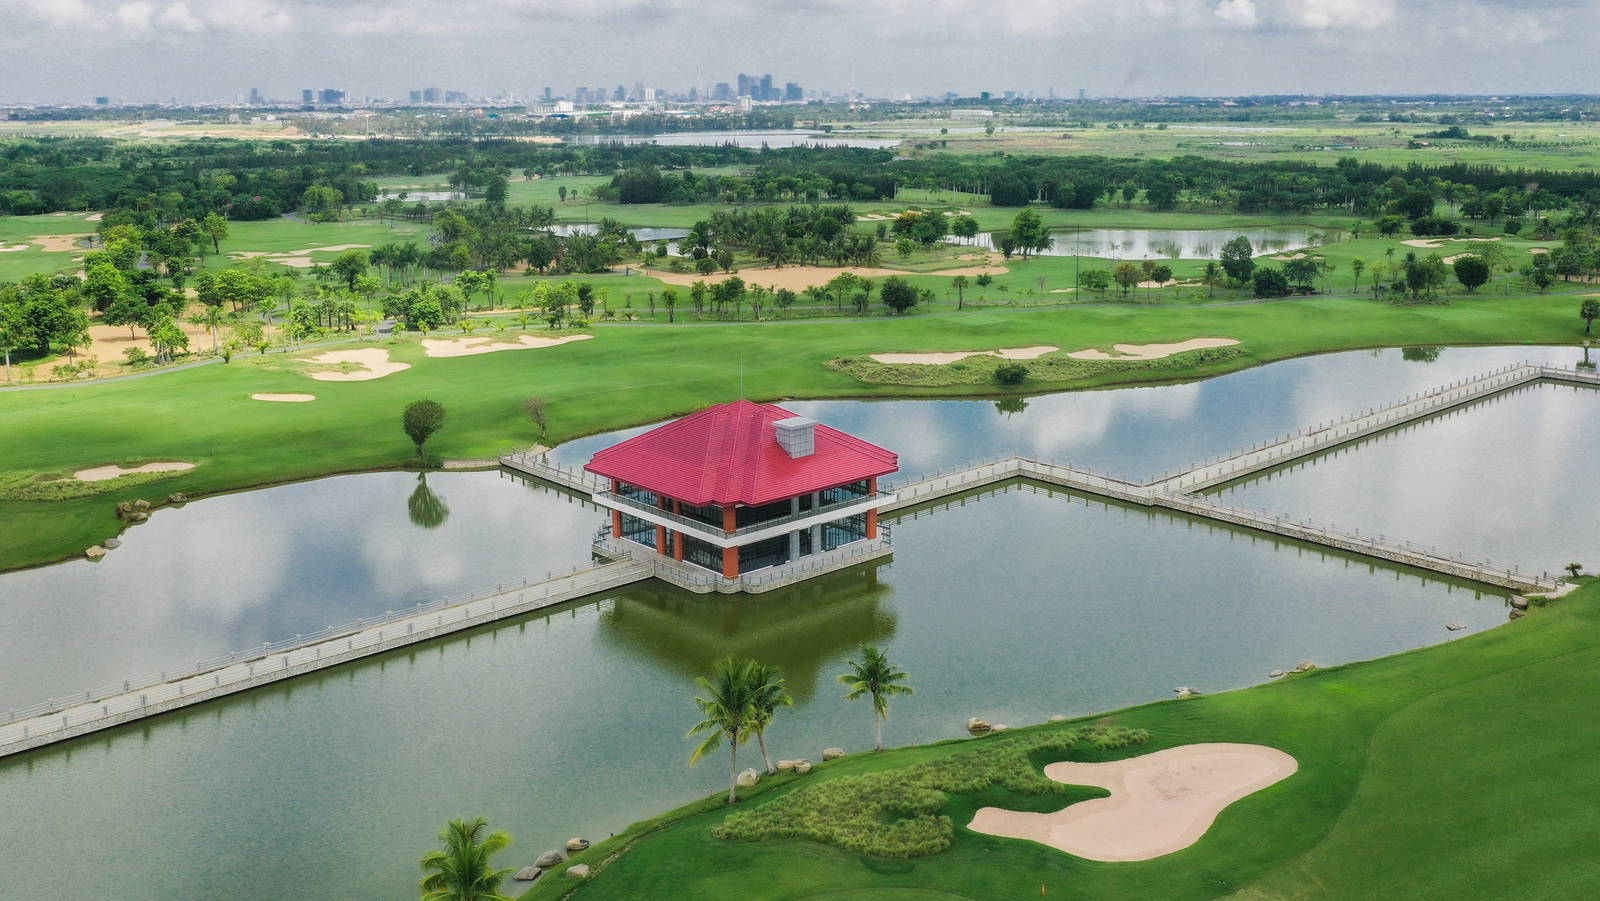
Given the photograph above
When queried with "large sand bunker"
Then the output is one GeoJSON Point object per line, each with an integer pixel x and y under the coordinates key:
{"type": "Point", "coordinates": [1136, 352]}
{"type": "Point", "coordinates": [1004, 353]}
{"type": "Point", "coordinates": [299, 259]}
{"type": "Point", "coordinates": [112, 470]}
{"type": "Point", "coordinates": [58, 243]}
{"type": "Point", "coordinates": [1160, 803]}
{"type": "Point", "coordinates": [285, 398]}
{"type": "Point", "coordinates": [374, 362]}
{"type": "Point", "coordinates": [466, 347]}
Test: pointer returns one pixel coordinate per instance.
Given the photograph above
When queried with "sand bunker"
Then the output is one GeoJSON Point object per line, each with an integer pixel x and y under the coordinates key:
{"type": "Point", "coordinates": [58, 243]}
{"type": "Point", "coordinates": [1290, 256]}
{"type": "Point", "coordinates": [298, 259]}
{"type": "Point", "coordinates": [94, 217]}
{"type": "Point", "coordinates": [12, 248]}
{"type": "Point", "coordinates": [1133, 352]}
{"type": "Point", "coordinates": [285, 398]}
{"type": "Point", "coordinates": [374, 361]}
{"type": "Point", "coordinates": [1160, 803]}
{"type": "Point", "coordinates": [1423, 243]}
{"type": "Point", "coordinates": [1538, 250]}
{"type": "Point", "coordinates": [112, 470]}
{"type": "Point", "coordinates": [1005, 353]}
{"type": "Point", "coordinates": [466, 347]}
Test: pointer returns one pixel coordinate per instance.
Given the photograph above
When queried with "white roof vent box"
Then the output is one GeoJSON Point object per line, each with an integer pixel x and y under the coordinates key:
{"type": "Point", "coordinates": [797, 435]}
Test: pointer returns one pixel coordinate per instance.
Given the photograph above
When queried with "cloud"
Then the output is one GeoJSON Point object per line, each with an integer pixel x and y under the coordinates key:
{"type": "Point", "coordinates": [1240, 13]}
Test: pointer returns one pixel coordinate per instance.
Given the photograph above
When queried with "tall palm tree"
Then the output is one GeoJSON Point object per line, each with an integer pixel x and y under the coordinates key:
{"type": "Point", "coordinates": [461, 872]}
{"type": "Point", "coordinates": [768, 693]}
{"type": "Point", "coordinates": [728, 707]}
{"type": "Point", "coordinates": [874, 675]}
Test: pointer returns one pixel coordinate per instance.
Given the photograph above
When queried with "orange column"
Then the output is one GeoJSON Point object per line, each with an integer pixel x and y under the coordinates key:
{"type": "Point", "coordinates": [730, 520]}
{"type": "Point", "coordinates": [616, 523]}
{"type": "Point", "coordinates": [872, 515]}
{"type": "Point", "coordinates": [677, 546]}
{"type": "Point", "coordinates": [661, 539]}
{"type": "Point", "coordinates": [730, 563]}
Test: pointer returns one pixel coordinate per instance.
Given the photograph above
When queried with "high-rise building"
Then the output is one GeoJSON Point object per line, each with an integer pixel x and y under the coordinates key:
{"type": "Point", "coordinates": [723, 91]}
{"type": "Point", "coordinates": [747, 85]}
{"type": "Point", "coordinates": [792, 92]}
{"type": "Point", "coordinates": [308, 96]}
{"type": "Point", "coordinates": [547, 95]}
{"type": "Point", "coordinates": [620, 94]}
{"type": "Point", "coordinates": [330, 96]}
{"type": "Point", "coordinates": [432, 95]}
{"type": "Point", "coordinates": [455, 97]}
{"type": "Point", "coordinates": [765, 89]}
{"type": "Point", "coordinates": [102, 101]}
{"type": "Point", "coordinates": [255, 97]}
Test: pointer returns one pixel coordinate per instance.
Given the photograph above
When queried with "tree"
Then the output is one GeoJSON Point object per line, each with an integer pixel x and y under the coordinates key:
{"type": "Point", "coordinates": [874, 675]}
{"type": "Point", "coordinates": [349, 266]}
{"type": "Point", "coordinates": [12, 336]}
{"type": "Point", "coordinates": [960, 284]}
{"type": "Point", "coordinates": [1357, 265]}
{"type": "Point", "coordinates": [1127, 276]}
{"type": "Point", "coordinates": [166, 338]}
{"type": "Point", "coordinates": [1010, 374]}
{"type": "Point", "coordinates": [1270, 283]}
{"type": "Point", "coordinates": [1471, 271]}
{"type": "Point", "coordinates": [1574, 569]}
{"type": "Point", "coordinates": [1028, 234]}
{"type": "Point", "coordinates": [1211, 275]}
{"type": "Point", "coordinates": [215, 228]}
{"type": "Point", "coordinates": [462, 871]}
{"type": "Point", "coordinates": [897, 294]}
{"type": "Point", "coordinates": [1589, 312]}
{"type": "Point", "coordinates": [1238, 259]}
{"type": "Point", "coordinates": [421, 419]}
{"type": "Point", "coordinates": [1161, 274]}
{"type": "Point", "coordinates": [537, 411]}
{"type": "Point", "coordinates": [767, 693]}
{"type": "Point", "coordinates": [1096, 280]}
{"type": "Point", "coordinates": [727, 703]}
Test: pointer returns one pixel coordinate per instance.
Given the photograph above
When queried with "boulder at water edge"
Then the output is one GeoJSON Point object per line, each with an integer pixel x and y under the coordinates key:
{"type": "Point", "coordinates": [577, 844]}
{"type": "Point", "coordinates": [832, 753]}
{"type": "Point", "coordinates": [1057, 717]}
{"type": "Point", "coordinates": [178, 498]}
{"type": "Point", "coordinates": [527, 874]}
{"type": "Point", "coordinates": [580, 871]}
{"type": "Point", "coordinates": [95, 552]}
{"type": "Point", "coordinates": [785, 766]}
{"type": "Point", "coordinates": [749, 778]}
{"type": "Point", "coordinates": [111, 543]}
{"type": "Point", "coordinates": [141, 504]}
{"type": "Point", "coordinates": [978, 726]}
{"type": "Point", "coordinates": [802, 767]}
{"type": "Point", "coordinates": [548, 859]}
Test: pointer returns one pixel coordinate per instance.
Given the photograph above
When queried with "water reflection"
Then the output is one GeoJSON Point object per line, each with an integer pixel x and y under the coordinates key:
{"type": "Point", "coordinates": [798, 629]}
{"type": "Point", "coordinates": [1428, 354]}
{"type": "Point", "coordinates": [426, 507]}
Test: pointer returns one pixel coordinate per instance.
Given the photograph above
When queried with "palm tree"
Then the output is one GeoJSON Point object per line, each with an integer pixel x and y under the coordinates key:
{"type": "Point", "coordinates": [874, 675]}
{"type": "Point", "coordinates": [768, 693]}
{"type": "Point", "coordinates": [728, 708]}
{"type": "Point", "coordinates": [461, 872]}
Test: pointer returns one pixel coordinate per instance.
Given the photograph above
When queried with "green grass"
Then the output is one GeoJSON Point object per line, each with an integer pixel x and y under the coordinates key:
{"type": "Point", "coordinates": [1462, 771]}
{"type": "Point", "coordinates": [627, 375]}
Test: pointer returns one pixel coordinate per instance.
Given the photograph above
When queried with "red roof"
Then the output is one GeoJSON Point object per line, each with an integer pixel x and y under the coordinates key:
{"type": "Point", "coordinates": [728, 454]}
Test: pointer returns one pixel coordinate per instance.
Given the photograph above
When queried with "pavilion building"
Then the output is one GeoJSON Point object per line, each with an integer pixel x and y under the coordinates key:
{"type": "Point", "coordinates": [743, 488]}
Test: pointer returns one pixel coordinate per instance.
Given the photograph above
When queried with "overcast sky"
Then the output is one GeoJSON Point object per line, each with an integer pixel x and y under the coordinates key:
{"type": "Point", "coordinates": [71, 50]}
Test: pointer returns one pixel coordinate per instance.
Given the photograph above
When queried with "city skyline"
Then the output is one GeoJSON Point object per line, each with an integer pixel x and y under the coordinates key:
{"type": "Point", "coordinates": [155, 50]}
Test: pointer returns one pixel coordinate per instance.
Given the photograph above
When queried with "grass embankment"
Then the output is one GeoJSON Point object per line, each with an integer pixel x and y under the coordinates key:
{"type": "Point", "coordinates": [1457, 771]}
{"type": "Point", "coordinates": [625, 376]}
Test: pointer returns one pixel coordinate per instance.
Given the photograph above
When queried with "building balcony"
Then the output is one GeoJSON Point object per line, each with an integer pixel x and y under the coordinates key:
{"type": "Point", "coordinates": [697, 579]}
{"type": "Point", "coordinates": [754, 532]}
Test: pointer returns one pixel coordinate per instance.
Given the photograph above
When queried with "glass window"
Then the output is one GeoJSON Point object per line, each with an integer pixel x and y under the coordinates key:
{"type": "Point", "coordinates": [636, 529]}
{"type": "Point", "coordinates": [750, 516]}
{"type": "Point", "coordinates": [843, 494]}
{"type": "Point", "coordinates": [702, 553]}
{"type": "Point", "coordinates": [761, 554]}
{"type": "Point", "coordinates": [844, 531]}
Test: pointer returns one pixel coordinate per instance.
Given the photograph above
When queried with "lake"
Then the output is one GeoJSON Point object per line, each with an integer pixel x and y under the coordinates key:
{"type": "Point", "coordinates": [1012, 604]}
{"type": "Point", "coordinates": [1168, 243]}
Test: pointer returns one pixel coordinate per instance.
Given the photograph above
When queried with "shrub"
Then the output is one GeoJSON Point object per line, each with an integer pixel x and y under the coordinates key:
{"type": "Point", "coordinates": [1010, 373]}
{"type": "Point", "coordinates": [897, 813]}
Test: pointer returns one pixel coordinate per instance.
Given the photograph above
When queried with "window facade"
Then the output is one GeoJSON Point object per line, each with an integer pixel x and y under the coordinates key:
{"type": "Point", "coordinates": [636, 529]}
{"type": "Point", "coordinates": [769, 552]}
{"type": "Point", "coordinates": [702, 553]}
{"type": "Point", "coordinates": [843, 531]}
{"type": "Point", "coordinates": [844, 494]}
